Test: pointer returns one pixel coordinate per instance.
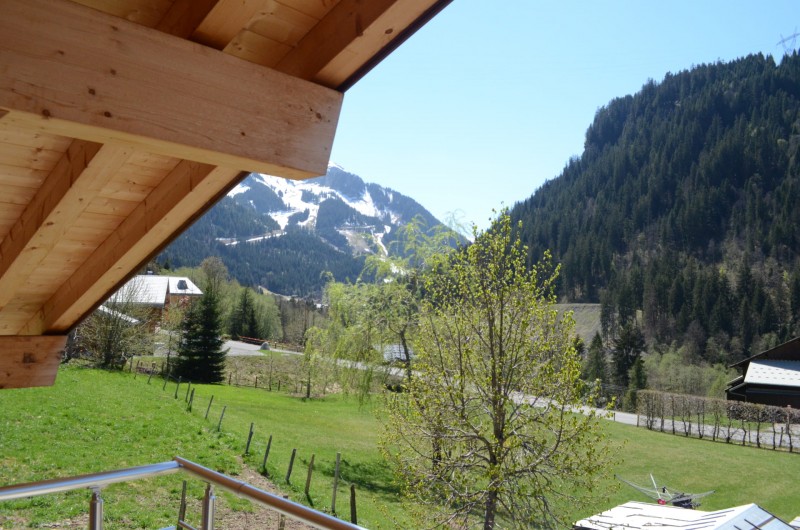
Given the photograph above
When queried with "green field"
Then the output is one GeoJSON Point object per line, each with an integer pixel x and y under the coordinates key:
{"type": "Point", "coordinates": [93, 421]}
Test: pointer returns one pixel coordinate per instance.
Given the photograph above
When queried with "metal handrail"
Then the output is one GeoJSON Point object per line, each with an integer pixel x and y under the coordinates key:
{"type": "Point", "coordinates": [92, 481]}
{"type": "Point", "coordinates": [97, 481]}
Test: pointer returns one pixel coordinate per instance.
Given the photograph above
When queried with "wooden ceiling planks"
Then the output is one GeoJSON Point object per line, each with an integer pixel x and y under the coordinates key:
{"type": "Point", "coordinates": [146, 13]}
{"type": "Point", "coordinates": [122, 120]}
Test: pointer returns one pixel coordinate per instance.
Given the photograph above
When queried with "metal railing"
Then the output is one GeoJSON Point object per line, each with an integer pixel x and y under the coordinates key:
{"type": "Point", "coordinates": [97, 481]}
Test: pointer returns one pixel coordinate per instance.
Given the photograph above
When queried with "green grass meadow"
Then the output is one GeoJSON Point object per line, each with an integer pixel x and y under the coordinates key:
{"type": "Point", "coordinates": [94, 420]}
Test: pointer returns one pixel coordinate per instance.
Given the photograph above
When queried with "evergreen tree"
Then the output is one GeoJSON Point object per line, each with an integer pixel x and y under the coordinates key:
{"type": "Point", "coordinates": [628, 346]}
{"type": "Point", "coordinates": [637, 381]}
{"type": "Point", "coordinates": [201, 358]}
{"type": "Point", "coordinates": [595, 366]}
{"type": "Point", "coordinates": [244, 320]}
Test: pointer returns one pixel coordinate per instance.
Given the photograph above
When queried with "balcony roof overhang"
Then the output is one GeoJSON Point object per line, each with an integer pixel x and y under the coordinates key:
{"type": "Point", "coordinates": [122, 121]}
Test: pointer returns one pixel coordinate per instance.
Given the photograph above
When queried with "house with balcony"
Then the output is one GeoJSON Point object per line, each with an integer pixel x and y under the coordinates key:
{"type": "Point", "coordinates": [771, 377]}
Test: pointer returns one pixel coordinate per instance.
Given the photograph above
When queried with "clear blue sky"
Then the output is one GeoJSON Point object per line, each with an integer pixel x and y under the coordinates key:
{"type": "Point", "coordinates": [491, 98]}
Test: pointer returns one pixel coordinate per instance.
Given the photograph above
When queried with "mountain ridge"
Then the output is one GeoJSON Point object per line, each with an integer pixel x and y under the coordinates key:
{"type": "Point", "coordinates": [328, 224]}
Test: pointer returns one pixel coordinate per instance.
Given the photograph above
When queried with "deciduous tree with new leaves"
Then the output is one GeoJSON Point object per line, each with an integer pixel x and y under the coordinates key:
{"type": "Point", "coordinates": [485, 436]}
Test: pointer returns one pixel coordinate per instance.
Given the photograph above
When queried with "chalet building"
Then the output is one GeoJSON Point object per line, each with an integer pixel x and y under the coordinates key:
{"type": "Point", "coordinates": [771, 377]}
{"type": "Point", "coordinates": [645, 516]}
{"type": "Point", "coordinates": [158, 293]}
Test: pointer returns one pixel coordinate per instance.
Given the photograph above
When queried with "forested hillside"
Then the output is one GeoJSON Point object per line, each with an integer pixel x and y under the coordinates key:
{"type": "Point", "coordinates": [683, 209]}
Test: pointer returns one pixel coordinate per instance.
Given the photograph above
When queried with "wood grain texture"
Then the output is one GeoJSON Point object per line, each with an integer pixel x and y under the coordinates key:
{"type": "Point", "coordinates": [78, 177]}
{"type": "Point", "coordinates": [77, 72]}
{"type": "Point", "coordinates": [29, 361]}
{"type": "Point", "coordinates": [187, 188]}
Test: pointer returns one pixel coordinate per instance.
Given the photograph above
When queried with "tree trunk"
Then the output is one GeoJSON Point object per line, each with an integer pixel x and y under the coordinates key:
{"type": "Point", "coordinates": [491, 509]}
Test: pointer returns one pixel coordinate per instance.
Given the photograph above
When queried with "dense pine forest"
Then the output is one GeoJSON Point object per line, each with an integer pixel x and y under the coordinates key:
{"type": "Point", "coordinates": [682, 212]}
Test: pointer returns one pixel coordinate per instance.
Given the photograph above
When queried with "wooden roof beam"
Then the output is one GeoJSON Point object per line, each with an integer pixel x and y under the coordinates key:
{"type": "Point", "coordinates": [76, 180]}
{"type": "Point", "coordinates": [77, 72]}
{"type": "Point", "coordinates": [185, 16]}
{"type": "Point", "coordinates": [164, 213]}
{"type": "Point", "coordinates": [29, 361]}
{"type": "Point", "coordinates": [331, 36]}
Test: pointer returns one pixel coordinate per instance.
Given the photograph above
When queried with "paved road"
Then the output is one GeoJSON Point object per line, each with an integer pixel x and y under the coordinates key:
{"type": "Point", "coordinates": [236, 347]}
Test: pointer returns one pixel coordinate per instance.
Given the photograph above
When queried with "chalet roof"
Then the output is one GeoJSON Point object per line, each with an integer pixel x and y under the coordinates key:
{"type": "Point", "coordinates": [181, 285]}
{"type": "Point", "coordinates": [788, 351]}
{"type": "Point", "coordinates": [122, 121]}
{"type": "Point", "coordinates": [774, 373]}
{"type": "Point", "coordinates": [152, 290]}
{"type": "Point", "coordinates": [645, 516]}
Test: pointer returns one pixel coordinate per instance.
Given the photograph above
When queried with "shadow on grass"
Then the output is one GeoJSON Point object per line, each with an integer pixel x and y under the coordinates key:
{"type": "Point", "coordinates": [373, 476]}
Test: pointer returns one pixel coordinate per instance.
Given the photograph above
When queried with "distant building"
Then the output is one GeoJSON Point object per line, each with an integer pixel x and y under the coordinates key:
{"type": "Point", "coordinates": [645, 516]}
{"type": "Point", "coordinates": [771, 378]}
{"type": "Point", "coordinates": [158, 293]}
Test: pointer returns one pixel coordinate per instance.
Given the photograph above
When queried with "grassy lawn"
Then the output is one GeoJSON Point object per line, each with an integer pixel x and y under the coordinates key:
{"type": "Point", "coordinates": [94, 420]}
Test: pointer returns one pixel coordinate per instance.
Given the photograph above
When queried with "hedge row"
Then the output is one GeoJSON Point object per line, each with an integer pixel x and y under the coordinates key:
{"type": "Point", "coordinates": [718, 419]}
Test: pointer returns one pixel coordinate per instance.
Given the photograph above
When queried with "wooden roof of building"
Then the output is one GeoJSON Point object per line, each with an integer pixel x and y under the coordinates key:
{"type": "Point", "coordinates": [788, 351]}
{"type": "Point", "coordinates": [122, 121]}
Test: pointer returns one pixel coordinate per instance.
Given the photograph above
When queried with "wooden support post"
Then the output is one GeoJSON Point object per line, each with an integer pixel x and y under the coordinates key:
{"type": "Point", "coordinates": [310, 471]}
{"type": "Point", "coordinates": [191, 400]}
{"type": "Point", "coordinates": [150, 376]}
{"type": "Point", "coordinates": [256, 385]}
{"type": "Point", "coordinates": [182, 509]}
{"type": "Point", "coordinates": [291, 464]}
{"type": "Point", "coordinates": [186, 397]}
{"type": "Point", "coordinates": [136, 372]}
{"type": "Point", "coordinates": [335, 482]}
{"type": "Point", "coordinates": [222, 415]}
{"type": "Point", "coordinates": [282, 522]}
{"type": "Point", "coordinates": [249, 439]}
{"type": "Point", "coordinates": [353, 515]}
{"type": "Point", "coordinates": [266, 455]}
{"type": "Point", "coordinates": [209, 406]}
{"type": "Point", "coordinates": [177, 387]}
{"type": "Point", "coordinates": [166, 380]}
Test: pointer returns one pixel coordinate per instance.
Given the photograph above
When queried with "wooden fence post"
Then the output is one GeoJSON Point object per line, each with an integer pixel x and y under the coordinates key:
{"type": "Point", "coordinates": [291, 464]}
{"type": "Point", "coordinates": [191, 400]}
{"type": "Point", "coordinates": [209, 406]}
{"type": "Point", "coordinates": [166, 380]}
{"type": "Point", "coordinates": [353, 516]}
{"type": "Point", "coordinates": [219, 425]}
{"type": "Point", "coordinates": [335, 482]}
{"type": "Point", "coordinates": [249, 438]}
{"type": "Point", "coordinates": [186, 397]}
{"type": "Point", "coordinates": [266, 455]}
{"type": "Point", "coordinates": [177, 387]}
{"type": "Point", "coordinates": [310, 471]}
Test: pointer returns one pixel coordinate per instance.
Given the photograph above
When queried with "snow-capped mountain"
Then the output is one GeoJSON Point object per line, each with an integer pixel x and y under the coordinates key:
{"type": "Point", "coordinates": [340, 207]}
{"type": "Point", "coordinates": [288, 235]}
